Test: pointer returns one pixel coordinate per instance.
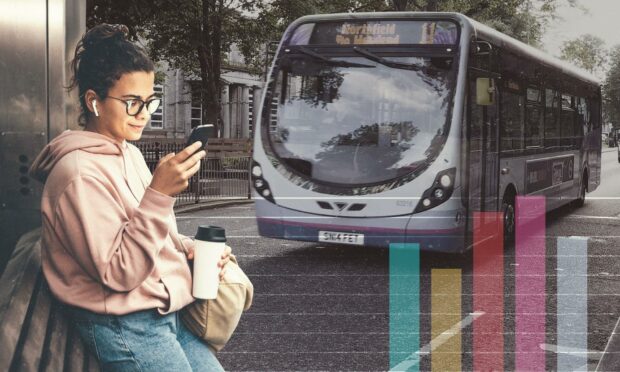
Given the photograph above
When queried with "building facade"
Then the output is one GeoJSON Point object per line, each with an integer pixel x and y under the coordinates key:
{"type": "Point", "coordinates": [180, 110]}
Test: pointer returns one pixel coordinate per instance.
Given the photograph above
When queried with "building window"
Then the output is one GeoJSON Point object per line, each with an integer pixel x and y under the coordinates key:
{"type": "Point", "coordinates": [196, 114]}
{"type": "Point", "coordinates": [157, 118]}
{"type": "Point", "coordinates": [251, 113]}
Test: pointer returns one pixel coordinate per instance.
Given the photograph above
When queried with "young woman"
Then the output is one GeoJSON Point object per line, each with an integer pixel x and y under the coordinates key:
{"type": "Point", "coordinates": [111, 249]}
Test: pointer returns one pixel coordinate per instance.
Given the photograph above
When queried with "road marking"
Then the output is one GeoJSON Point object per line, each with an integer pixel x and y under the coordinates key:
{"type": "Point", "coordinates": [414, 358]}
{"type": "Point", "coordinates": [422, 313]}
{"type": "Point", "coordinates": [385, 275]}
{"type": "Point", "coordinates": [294, 217]}
{"type": "Point", "coordinates": [610, 339]}
{"type": "Point", "coordinates": [591, 354]}
{"type": "Point", "coordinates": [214, 217]}
{"type": "Point", "coordinates": [603, 197]}
{"type": "Point", "coordinates": [439, 295]}
{"type": "Point", "coordinates": [248, 228]}
{"type": "Point", "coordinates": [414, 198]}
{"type": "Point", "coordinates": [582, 217]}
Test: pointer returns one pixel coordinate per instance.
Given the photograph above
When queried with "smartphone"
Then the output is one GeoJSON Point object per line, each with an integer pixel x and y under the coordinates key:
{"type": "Point", "coordinates": [201, 133]}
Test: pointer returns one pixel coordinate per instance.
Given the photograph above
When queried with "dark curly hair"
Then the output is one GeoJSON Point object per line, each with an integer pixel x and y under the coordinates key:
{"type": "Point", "coordinates": [101, 57]}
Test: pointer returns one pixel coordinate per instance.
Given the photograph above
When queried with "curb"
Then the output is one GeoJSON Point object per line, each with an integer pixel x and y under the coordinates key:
{"type": "Point", "coordinates": [210, 205]}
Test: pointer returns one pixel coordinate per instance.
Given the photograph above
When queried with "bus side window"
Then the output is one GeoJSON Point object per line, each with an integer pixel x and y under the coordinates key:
{"type": "Point", "coordinates": [552, 129]}
{"type": "Point", "coordinates": [584, 119]}
{"type": "Point", "coordinates": [512, 117]}
{"type": "Point", "coordinates": [593, 109]}
{"type": "Point", "coordinates": [566, 120]}
{"type": "Point", "coordinates": [533, 122]}
{"type": "Point", "coordinates": [475, 120]}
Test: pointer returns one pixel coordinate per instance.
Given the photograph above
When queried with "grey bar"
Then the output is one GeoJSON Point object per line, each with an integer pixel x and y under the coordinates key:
{"type": "Point", "coordinates": [572, 310]}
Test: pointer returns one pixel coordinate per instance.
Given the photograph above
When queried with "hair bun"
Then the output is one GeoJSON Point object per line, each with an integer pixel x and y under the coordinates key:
{"type": "Point", "coordinates": [104, 33]}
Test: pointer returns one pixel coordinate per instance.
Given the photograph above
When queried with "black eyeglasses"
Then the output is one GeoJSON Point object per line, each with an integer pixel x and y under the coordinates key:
{"type": "Point", "coordinates": [135, 105]}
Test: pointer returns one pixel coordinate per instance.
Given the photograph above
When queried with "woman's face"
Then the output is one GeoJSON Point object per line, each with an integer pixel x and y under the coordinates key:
{"type": "Point", "coordinates": [113, 120]}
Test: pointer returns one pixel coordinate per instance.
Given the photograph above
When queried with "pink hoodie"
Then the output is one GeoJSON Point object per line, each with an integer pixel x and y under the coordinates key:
{"type": "Point", "coordinates": [110, 242]}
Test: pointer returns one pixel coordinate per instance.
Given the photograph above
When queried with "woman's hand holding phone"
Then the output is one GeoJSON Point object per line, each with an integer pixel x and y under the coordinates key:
{"type": "Point", "coordinates": [173, 171]}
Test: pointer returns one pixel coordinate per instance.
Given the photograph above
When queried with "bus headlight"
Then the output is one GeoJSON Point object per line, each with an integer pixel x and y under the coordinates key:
{"type": "Point", "coordinates": [445, 180]}
{"type": "Point", "coordinates": [260, 185]}
{"type": "Point", "coordinates": [439, 192]}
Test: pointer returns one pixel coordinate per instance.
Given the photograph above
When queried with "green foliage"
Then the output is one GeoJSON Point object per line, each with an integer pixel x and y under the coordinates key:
{"type": "Point", "coordinates": [234, 163]}
{"type": "Point", "coordinates": [160, 77]}
{"type": "Point", "coordinates": [587, 52]}
{"type": "Point", "coordinates": [524, 20]}
{"type": "Point", "coordinates": [611, 89]}
{"type": "Point", "coordinates": [192, 35]}
{"type": "Point", "coordinates": [196, 35]}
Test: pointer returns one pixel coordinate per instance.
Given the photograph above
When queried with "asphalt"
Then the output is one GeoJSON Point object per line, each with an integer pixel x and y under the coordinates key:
{"type": "Point", "coordinates": [327, 307]}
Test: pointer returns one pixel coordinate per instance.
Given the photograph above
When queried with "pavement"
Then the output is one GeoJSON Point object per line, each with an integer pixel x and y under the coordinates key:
{"type": "Point", "coordinates": [211, 204]}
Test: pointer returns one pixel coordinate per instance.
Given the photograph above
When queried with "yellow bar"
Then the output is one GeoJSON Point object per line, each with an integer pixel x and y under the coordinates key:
{"type": "Point", "coordinates": [445, 315]}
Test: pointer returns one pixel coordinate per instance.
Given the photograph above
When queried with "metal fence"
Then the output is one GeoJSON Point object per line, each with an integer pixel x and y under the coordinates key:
{"type": "Point", "coordinates": [222, 175]}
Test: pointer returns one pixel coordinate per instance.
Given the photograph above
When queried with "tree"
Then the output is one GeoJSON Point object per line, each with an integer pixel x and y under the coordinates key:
{"type": "Point", "coordinates": [611, 89]}
{"type": "Point", "coordinates": [192, 35]}
{"type": "Point", "coordinates": [587, 52]}
{"type": "Point", "coordinates": [195, 35]}
{"type": "Point", "coordinates": [523, 19]}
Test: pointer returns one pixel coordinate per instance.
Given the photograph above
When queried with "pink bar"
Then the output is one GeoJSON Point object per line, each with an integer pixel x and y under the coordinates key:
{"type": "Point", "coordinates": [530, 283]}
{"type": "Point", "coordinates": [489, 291]}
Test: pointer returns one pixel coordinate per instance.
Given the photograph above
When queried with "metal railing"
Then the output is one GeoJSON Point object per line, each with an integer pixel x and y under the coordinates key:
{"type": "Point", "coordinates": [222, 175]}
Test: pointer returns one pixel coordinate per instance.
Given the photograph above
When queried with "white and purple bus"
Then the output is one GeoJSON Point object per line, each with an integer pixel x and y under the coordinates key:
{"type": "Point", "coordinates": [379, 128]}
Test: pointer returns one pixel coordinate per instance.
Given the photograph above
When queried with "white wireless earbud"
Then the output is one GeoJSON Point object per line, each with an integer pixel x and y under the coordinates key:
{"type": "Point", "coordinates": [95, 108]}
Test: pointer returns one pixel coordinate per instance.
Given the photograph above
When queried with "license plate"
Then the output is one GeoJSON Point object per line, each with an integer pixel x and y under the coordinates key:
{"type": "Point", "coordinates": [341, 237]}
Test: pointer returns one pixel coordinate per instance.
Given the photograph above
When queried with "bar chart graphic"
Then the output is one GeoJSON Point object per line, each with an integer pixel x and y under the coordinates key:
{"type": "Point", "coordinates": [497, 331]}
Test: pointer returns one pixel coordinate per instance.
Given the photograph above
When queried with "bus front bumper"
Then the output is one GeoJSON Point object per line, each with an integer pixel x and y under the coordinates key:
{"type": "Point", "coordinates": [369, 232]}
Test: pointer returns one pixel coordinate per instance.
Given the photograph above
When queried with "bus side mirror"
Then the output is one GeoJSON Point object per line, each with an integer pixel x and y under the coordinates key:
{"type": "Point", "coordinates": [485, 91]}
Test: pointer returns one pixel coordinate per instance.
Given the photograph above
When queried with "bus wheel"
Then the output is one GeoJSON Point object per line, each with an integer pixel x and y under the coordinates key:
{"type": "Point", "coordinates": [508, 207]}
{"type": "Point", "coordinates": [582, 192]}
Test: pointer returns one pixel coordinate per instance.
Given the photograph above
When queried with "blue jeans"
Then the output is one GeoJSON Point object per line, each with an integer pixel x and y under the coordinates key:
{"type": "Point", "coordinates": [142, 341]}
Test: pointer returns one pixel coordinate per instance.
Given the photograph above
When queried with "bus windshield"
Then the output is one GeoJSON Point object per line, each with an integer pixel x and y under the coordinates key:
{"type": "Point", "coordinates": [360, 119]}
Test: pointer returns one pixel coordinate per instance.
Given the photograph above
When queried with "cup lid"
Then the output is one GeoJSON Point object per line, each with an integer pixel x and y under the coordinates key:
{"type": "Point", "coordinates": [211, 234]}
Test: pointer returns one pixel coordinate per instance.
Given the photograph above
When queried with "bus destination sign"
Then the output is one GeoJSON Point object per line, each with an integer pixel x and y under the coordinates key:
{"type": "Point", "coordinates": [368, 33]}
{"type": "Point", "coordinates": [383, 32]}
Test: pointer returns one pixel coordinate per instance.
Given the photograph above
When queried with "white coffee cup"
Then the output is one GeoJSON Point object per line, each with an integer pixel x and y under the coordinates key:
{"type": "Point", "coordinates": [210, 245]}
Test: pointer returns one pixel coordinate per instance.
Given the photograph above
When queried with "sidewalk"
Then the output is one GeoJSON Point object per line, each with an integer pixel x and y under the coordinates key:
{"type": "Point", "coordinates": [211, 204]}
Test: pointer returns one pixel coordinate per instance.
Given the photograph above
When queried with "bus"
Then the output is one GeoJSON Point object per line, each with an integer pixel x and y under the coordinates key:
{"type": "Point", "coordinates": [381, 128]}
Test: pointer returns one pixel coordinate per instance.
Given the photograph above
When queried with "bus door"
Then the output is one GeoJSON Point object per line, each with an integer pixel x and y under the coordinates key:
{"type": "Point", "coordinates": [483, 146]}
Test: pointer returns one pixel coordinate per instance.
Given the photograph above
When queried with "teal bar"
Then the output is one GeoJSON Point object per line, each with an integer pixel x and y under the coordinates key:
{"type": "Point", "coordinates": [572, 302]}
{"type": "Point", "coordinates": [404, 307]}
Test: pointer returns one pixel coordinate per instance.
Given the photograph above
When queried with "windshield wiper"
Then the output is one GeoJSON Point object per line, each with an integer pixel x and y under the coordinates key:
{"type": "Point", "coordinates": [311, 53]}
{"type": "Point", "coordinates": [373, 57]}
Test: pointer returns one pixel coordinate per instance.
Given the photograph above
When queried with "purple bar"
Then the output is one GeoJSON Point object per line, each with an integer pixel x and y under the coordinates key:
{"type": "Point", "coordinates": [530, 284]}
{"type": "Point", "coordinates": [489, 291]}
